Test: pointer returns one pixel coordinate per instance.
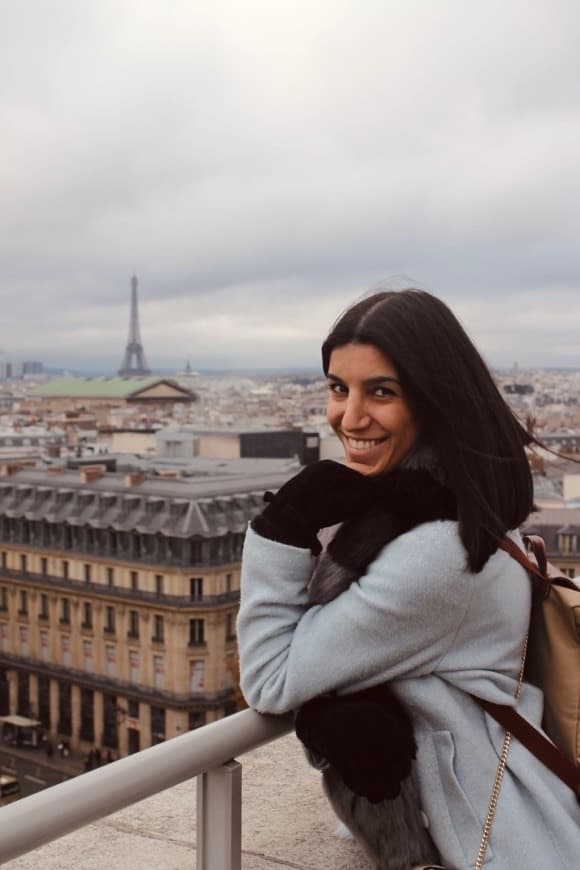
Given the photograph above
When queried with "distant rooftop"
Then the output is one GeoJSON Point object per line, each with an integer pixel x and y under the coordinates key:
{"type": "Point", "coordinates": [99, 387]}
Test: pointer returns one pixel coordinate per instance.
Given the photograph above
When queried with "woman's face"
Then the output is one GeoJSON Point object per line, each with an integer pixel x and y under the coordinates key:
{"type": "Point", "coordinates": [367, 409]}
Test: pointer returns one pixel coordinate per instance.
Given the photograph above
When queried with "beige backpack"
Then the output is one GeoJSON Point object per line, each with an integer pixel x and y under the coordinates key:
{"type": "Point", "coordinates": [552, 663]}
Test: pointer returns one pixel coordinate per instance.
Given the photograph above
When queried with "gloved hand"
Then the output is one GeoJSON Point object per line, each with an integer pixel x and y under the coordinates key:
{"type": "Point", "coordinates": [321, 495]}
{"type": "Point", "coordinates": [368, 740]}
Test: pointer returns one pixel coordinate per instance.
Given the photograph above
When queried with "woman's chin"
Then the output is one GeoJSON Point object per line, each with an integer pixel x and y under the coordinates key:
{"type": "Point", "coordinates": [361, 467]}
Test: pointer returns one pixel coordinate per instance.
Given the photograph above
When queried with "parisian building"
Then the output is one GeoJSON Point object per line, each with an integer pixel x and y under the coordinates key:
{"type": "Point", "coordinates": [560, 529]}
{"type": "Point", "coordinates": [118, 600]}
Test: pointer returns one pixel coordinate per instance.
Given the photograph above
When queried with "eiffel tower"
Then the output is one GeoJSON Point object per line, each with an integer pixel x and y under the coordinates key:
{"type": "Point", "coordinates": [134, 363]}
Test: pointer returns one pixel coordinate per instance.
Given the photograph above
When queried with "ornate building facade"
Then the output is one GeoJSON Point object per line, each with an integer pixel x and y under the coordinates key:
{"type": "Point", "coordinates": [118, 599]}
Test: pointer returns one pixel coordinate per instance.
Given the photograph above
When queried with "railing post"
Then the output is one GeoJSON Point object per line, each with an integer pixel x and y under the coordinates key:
{"type": "Point", "coordinates": [219, 818]}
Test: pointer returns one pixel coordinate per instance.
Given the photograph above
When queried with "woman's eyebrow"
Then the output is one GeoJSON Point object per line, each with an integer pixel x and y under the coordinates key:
{"type": "Point", "coordinates": [371, 382]}
{"type": "Point", "coordinates": [368, 382]}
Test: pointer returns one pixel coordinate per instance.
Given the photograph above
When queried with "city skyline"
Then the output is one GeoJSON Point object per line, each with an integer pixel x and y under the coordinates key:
{"type": "Point", "coordinates": [260, 167]}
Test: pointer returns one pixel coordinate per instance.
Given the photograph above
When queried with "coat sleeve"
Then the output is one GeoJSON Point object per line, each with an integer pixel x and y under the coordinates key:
{"type": "Point", "coordinates": [398, 620]}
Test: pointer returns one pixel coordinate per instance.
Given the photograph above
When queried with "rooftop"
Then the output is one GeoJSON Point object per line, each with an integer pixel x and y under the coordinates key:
{"type": "Point", "coordinates": [100, 387]}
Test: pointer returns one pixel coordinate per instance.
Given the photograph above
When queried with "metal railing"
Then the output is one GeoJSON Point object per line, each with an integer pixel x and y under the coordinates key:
{"type": "Point", "coordinates": [122, 593]}
{"type": "Point", "coordinates": [207, 753]}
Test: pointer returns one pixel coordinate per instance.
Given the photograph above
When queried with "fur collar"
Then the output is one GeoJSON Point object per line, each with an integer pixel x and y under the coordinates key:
{"type": "Point", "coordinates": [414, 493]}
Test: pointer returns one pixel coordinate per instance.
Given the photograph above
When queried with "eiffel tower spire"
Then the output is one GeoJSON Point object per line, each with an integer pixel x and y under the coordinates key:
{"type": "Point", "coordinates": [134, 360]}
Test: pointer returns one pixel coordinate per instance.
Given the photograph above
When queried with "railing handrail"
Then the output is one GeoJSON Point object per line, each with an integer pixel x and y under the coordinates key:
{"type": "Point", "coordinates": [33, 821]}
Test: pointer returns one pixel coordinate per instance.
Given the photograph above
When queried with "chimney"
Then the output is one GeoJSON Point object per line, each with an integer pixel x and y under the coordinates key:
{"type": "Point", "coordinates": [90, 473]}
{"type": "Point", "coordinates": [134, 478]}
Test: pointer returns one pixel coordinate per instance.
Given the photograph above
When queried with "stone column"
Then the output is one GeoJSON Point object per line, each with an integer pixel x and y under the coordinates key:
{"type": "Point", "coordinates": [54, 707]}
{"type": "Point", "coordinates": [176, 722]}
{"type": "Point", "coordinates": [122, 727]}
{"type": "Point", "coordinates": [145, 724]}
{"type": "Point", "coordinates": [33, 694]}
{"type": "Point", "coordinates": [75, 716]}
{"type": "Point", "coordinates": [13, 690]}
{"type": "Point", "coordinates": [98, 717]}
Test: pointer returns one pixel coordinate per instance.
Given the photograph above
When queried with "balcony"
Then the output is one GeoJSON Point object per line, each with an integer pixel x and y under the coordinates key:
{"type": "Point", "coordinates": [122, 593]}
{"type": "Point", "coordinates": [286, 821]}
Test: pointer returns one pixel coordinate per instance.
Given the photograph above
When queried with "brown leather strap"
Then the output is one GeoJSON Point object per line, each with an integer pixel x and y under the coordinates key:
{"type": "Point", "coordinates": [535, 742]}
{"type": "Point", "coordinates": [514, 551]}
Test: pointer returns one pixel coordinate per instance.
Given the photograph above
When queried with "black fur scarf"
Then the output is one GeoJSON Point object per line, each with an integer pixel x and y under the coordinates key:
{"type": "Point", "coordinates": [363, 742]}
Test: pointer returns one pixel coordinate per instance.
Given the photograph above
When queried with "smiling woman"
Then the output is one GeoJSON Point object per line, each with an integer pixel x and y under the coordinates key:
{"type": "Point", "coordinates": [411, 609]}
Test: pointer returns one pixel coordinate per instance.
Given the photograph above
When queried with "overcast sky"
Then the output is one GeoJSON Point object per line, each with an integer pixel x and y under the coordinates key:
{"type": "Point", "coordinates": [261, 163]}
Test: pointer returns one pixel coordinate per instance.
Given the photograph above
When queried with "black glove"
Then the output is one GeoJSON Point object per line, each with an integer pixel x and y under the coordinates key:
{"type": "Point", "coordinates": [321, 495]}
{"type": "Point", "coordinates": [367, 737]}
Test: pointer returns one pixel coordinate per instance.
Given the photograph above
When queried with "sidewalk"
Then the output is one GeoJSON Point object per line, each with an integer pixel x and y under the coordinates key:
{"type": "Point", "coordinates": [71, 766]}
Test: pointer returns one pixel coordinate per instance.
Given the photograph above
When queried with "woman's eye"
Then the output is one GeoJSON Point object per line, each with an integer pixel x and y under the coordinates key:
{"type": "Point", "coordinates": [337, 389]}
{"type": "Point", "coordinates": [384, 392]}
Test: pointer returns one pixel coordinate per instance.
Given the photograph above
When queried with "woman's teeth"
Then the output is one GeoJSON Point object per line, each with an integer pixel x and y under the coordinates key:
{"type": "Point", "coordinates": [359, 444]}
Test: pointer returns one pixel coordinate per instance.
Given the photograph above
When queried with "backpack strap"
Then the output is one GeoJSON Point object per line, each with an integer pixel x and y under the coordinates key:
{"type": "Point", "coordinates": [536, 742]}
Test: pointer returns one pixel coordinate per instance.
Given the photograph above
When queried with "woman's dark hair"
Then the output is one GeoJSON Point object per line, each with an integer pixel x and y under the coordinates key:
{"type": "Point", "coordinates": [458, 408]}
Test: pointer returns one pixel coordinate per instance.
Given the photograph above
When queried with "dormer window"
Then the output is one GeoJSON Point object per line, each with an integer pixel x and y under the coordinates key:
{"type": "Point", "coordinates": [567, 542]}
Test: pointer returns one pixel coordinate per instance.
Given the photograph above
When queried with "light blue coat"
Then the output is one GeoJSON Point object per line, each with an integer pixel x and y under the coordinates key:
{"type": "Point", "coordinates": [420, 619]}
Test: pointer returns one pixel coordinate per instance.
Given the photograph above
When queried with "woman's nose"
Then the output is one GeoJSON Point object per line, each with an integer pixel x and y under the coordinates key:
{"type": "Point", "coordinates": [355, 414]}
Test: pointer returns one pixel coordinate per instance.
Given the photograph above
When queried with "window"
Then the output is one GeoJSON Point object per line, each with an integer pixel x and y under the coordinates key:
{"type": "Point", "coordinates": [157, 724]}
{"type": "Point", "coordinates": [111, 660]}
{"type": "Point", "coordinates": [65, 569]}
{"type": "Point", "coordinates": [87, 615]}
{"type": "Point", "coordinates": [196, 632]}
{"type": "Point", "coordinates": [195, 588]}
{"type": "Point", "coordinates": [196, 719]}
{"type": "Point", "coordinates": [197, 676]}
{"type": "Point", "coordinates": [110, 577]}
{"type": "Point", "coordinates": [44, 566]}
{"type": "Point", "coordinates": [134, 581]}
{"type": "Point", "coordinates": [134, 665]}
{"type": "Point", "coordinates": [230, 626]}
{"type": "Point", "coordinates": [23, 564]}
{"type": "Point", "coordinates": [87, 570]}
{"type": "Point", "coordinates": [158, 628]}
{"type": "Point", "coordinates": [228, 583]}
{"type": "Point", "coordinates": [43, 610]}
{"type": "Point", "coordinates": [44, 647]}
{"type": "Point", "coordinates": [133, 624]}
{"type": "Point", "coordinates": [64, 610]}
{"type": "Point", "coordinates": [4, 559]}
{"type": "Point", "coordinates": [133, 709]}
{"type": "Point", "coordinates": [158, 671]}
{"type": "Point", "coordinates": [110, 619]}
{"type": "Point", "coordinates": [159, 584]}
{"type": "Point", "coordinates": [88, 655]}
{"type": "Point", "coordinates": [23, 609]}
{"type": "Point", "coordinates": [3, 598]}
{"type": "Point", "coordinates": [567, 543]}
{"type": "Point", "coordinates": [568, 572]}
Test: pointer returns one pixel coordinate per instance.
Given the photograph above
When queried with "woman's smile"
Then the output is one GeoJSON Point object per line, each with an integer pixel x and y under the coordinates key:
{"type": "Point", "coordinates": [367, 409]}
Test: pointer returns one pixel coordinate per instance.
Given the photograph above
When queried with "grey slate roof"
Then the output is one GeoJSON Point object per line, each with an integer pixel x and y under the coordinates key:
{"type": "Point", "coordinates": [204, 506]}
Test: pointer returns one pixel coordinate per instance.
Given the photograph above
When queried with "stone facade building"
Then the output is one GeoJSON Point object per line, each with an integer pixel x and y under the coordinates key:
{"type": "Point", "coordinates": [560, 529]}
{"type": "Point", "coordinates": [118, 599]}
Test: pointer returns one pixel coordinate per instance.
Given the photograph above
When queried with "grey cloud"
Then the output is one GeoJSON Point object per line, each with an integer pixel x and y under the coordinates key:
{"type": "Point", "coordinates": [258, 158]}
